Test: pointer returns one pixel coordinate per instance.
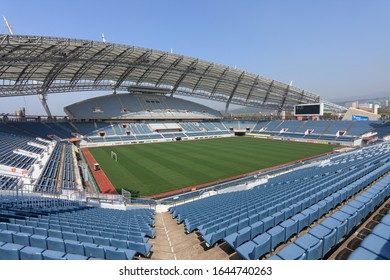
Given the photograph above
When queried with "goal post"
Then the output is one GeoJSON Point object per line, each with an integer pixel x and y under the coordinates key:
{"type": "Point", "coordinates": [114, 156]}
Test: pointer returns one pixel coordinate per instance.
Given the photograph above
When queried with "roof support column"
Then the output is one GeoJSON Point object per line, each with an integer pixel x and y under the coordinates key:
{"type": "Point", "coordinates": [42, 98]}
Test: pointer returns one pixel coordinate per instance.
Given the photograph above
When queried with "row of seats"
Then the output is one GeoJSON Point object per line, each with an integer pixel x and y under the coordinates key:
{"type": "Point", "coordinates": [320, 239]}
{"type": "Point", "coordinates": [376, 246]}
{"type": "Point", "coordinates": [51, 231]}
{"type": "Point", "coordinates": [68, 250]}
{"type": "Point", "coordinates": [276, 234]}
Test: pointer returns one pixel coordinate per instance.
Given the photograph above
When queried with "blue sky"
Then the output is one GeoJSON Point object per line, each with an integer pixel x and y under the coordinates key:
{"type": "Point", "coordinates": [338, 49]}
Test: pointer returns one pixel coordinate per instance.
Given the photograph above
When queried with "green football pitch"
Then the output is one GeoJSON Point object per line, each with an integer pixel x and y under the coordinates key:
{"type": "Point", "coordinates": [160, 167]}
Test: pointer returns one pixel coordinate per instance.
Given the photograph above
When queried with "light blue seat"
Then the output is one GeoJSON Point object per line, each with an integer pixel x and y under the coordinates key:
{"type": "Point", "coordinates": [292, 252]}
{"type": "Point", "coordinates": [13, 227]}
{"type": "Point", "coordinates": [10, 251]}
{"type": "Point", "coordinates": [361, 209]}
{"type": "Point", "coordinates": [52, 255]}
{"type": "Point", "coordinates": [41, 231]}
{"type": "Point", "coordinates": [38, 241]}
{"type": "Point", "coordinates": [54, 233]}
{"type": "Point", "coordinates": [6, 236]}
{"type": "Point", "coordinates": [340, 226]}
{"type": "Point", "coordinates": [93, 250]}
{"type": "Point", "coordinates": [277, 234]}
{"type": "Point", "coordinates": [268, 222]}
{"type": "Point", "coordinates": [363, 254]}
{"type": "Point", "coordinates": [328, 237]}
{"type": "Point", "coordinates": [257, 228]}
{"type": "Point", "coordinates": [322, 208]}
{"type": "Point", "coordinates": [214, 237]}
{"type": "Point", "coordinates": [85, 238]}
{"type": "Point", "coordinates": [101, 241]}
{"type": "Point", "coordinates": [278, 217]}
{"type": "Point", "coordinates": [312, 246]}
{"type": "Point", "coordinates": [243, 223]}
{"type": "Point", "coordinates": [353, 218]}
{"type": "Point", "coordinates": [311, 213]}
{"type": "Point", "coordinates": [120, 254]}
{"type": "Point", "coordinates": [231, 229]}
{"type": "Point", "coordinates": [368, 202]}
{"type": "Point", "coordinates": [254, 249]}
{"type": "Point", "coordinates": [74, 247]}
{"type": "Point", "coordinates": [290, 228]}
{"type": "Point", "coordinates": [238, 238]}
{"type": "Point", "coordinates": [386, 220]}
{"type": "Point", "coordinates": [382, 230]}
{"type": "Point", "coordinates": [118, 243]}
{"type": "Point", "coordinates": [31, 253]}
{"type": "Point", "coordinates": [69, 236]}
{"type": "Point", "coordinates": [375, 244]}
{"type": "Point", "coordinates": [21, 238]}
{"type": "Point", "coordinates": [141, 248]}
{"type": "Point", "coordinates": [302, 220]}
{"type": "Point", "coordinates": [55, 244]}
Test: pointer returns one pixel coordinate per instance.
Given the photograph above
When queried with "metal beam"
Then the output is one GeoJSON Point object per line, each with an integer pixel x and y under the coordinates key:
{"type": "Point", "coordinates": [128, 71]}
{"type": "Point", "coordinates": [174, 64]}
{"type": "Point", "coordinates": [234, 91]}
{"type": "Point", "coordinates": [219, 81]}
{"type": "Point", "coordinates": [268, 92]}
{"type": "Point", "coordinates": [189, 69]}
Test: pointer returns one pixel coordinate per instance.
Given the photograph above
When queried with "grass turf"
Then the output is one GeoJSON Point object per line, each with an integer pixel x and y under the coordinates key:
{"type": "Point", "coordinates": [156, 168]}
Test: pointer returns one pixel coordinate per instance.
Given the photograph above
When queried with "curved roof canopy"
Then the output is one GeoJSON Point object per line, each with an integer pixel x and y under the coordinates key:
{"type": "Point", "coordinates": [37, 64]}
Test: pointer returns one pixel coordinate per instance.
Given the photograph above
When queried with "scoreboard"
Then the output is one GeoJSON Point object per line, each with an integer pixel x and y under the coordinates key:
{"type": "Point", "coordinates": [316, 109]}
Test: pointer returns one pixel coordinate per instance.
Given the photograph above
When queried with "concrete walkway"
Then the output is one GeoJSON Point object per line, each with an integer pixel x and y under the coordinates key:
{"type": "Point", "coordinates": [172, 243]}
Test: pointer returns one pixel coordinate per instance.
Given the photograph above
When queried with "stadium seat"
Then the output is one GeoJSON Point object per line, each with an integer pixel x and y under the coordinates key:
{"type": "Point", "coordinates": [382, 230]}
{"type": "Point", "coordinates": [363, 254]}
{"type": "Point", "coordinates": [52, 255]}
{"type": "Point", "coordinates": [291, 252]}
{"type": "Point", "coordinates": [290, 228]}
{"type": "Point", "coordinates": [38, 241]}
{"type": "Point", "coordinates": [119, 254]}
{"type": "Point", "coordinates": [256, 248]}
{"type": "Point", "coordinates": [31, 253]}
{"type": "Point", "coordinates": [340, 226]}
{"type": "Point", "coordinates": [21, 238]}
{"type": "Point", "coordinates": [374, 244]}
{"type": "Point", "coordinates": [6, 236]}
{"type": "Point", "coordinates": [55, 244]}
{"type": "Point", "coordinates": [10, 251]}
{"type": "Point", "coordinates": [326, 235]}
{"type": "Point", "coordinates": [312, 246]}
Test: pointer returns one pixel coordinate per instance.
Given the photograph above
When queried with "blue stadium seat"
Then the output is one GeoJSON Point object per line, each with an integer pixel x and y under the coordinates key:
{"type": "Point", "coordinates": [10, 251]}
{"type": "Point", "coordinates": [364, 254]}
{"type": "Point", "coordinates": [38, 241]}
{"type": "Point", "coordinates": [31, 253]}
{"type": "Point", "coordinates": [119, 254]}
{"type": "Point", "coordinates": [376, 245]}
{"type": "Point", "coordinates": [291, 252]}
{"type": "Point", "coordinates": [326, 235]}
{"type": "Point", "coordinates": [53, 255]}
{"type": "Point", "coordinates": [55, 244]}
{"type": "Point", "coordinates": [312, 246]}
{"type": "Point", "coordinates": [21, 238]}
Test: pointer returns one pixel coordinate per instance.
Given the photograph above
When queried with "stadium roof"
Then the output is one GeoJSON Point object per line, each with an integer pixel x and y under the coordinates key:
{"type": "Point", "coordinates": [37, 64]}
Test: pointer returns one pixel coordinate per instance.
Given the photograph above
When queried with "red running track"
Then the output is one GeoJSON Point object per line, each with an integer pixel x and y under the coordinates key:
{"type": "Point", "coordinates": [100, 177]}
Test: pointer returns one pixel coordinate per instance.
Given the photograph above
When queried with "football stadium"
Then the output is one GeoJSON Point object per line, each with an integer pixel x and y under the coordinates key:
{"type": "Point", "coordinates": [148, 172]}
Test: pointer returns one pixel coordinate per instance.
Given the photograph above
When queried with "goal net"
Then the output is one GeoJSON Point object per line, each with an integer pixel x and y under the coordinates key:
{"type": "Point", "coordinates": [114, 156]}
